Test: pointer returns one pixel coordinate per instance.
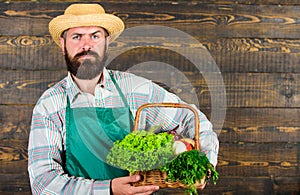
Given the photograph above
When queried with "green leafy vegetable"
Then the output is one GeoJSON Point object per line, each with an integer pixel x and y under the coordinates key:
{"type": "Point", "coordinates": [189, 168]}
{"type": "Point", "coordinates": [145, 151]}
{"type": "Point", "coordinates": [142, 151]}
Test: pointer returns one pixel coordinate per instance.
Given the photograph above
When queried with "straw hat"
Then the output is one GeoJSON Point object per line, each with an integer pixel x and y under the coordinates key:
{"type": "Point", "coordinates": [77, 15]}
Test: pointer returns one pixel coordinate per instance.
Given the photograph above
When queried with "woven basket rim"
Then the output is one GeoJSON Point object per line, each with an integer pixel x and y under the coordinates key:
{"type": "Point", "coordinates": [156, 177]}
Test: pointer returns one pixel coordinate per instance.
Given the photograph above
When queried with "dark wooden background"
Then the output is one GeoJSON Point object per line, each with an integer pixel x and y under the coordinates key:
{"type": "Point", "coordinates": [256, 44]}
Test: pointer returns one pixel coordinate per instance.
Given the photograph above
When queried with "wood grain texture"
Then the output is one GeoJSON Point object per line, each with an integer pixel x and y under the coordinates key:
{"type": "Point", "coordinates": [230, 55]}
{"type": "Point", "coordinates": [247, 2]}
{"type": "Point", "coordinates": [238, 163]}
{"type": "Point", "coordinates": [221, 20]}
{"type": "Point", "coordinates": [254, 44]}
{"type": "Point", "coordinates": [254, 125]}
{"type": "Point", "coordinates": [233, 157]}
{"type": "Point", "coordinates": [16, 184]}
{"type": "Point", "coordinates": [254, 89]}
{"type": "Point", "coordinates": [15, 122]}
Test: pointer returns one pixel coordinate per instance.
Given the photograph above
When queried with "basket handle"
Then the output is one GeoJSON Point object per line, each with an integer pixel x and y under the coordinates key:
{"type": "Point", "coordinates": [174, 105]}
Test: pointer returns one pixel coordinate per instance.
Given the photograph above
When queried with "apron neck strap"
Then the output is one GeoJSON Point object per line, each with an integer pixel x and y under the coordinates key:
{"type": "Point", "coordinates": [121, 94]}
{"type": "Point", "coordinates": [118, 88]}
{"type": "Point", "coordinates": [68, 102]}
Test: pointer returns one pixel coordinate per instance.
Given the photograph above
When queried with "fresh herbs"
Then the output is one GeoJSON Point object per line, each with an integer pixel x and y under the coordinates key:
{"type": "Point", "coordinates": [145, 151]}
{"type": "Point", "coordinates": [189, 168]}
{"type": "Point", "coordinates": [142, 151]}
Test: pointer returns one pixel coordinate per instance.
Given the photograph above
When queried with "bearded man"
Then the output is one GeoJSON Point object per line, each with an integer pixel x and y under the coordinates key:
{"type": "Point", "coordinates": [76, 121]}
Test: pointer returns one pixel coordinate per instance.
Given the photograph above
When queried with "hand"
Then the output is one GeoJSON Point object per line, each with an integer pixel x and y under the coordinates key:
{"type": "Point", "coordinates": [201, 186]}
{"type": "Point", "coordinates": [122, 186]}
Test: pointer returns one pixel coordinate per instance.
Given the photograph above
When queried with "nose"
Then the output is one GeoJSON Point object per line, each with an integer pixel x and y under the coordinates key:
{"type": "Point", "coordinates": [86, 44]}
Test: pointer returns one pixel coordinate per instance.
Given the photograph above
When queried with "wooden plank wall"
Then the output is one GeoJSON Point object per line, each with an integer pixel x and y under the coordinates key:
{"type": "Point", "coordinates": [256, 44]}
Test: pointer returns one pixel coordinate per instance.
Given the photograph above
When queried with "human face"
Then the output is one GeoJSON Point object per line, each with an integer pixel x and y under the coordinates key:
{"type": "Point", "coordinates": [85, 51]}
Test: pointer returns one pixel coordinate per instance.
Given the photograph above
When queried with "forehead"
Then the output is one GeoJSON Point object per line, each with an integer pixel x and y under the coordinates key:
{"type": "Point", "coordinates": [85, 30]}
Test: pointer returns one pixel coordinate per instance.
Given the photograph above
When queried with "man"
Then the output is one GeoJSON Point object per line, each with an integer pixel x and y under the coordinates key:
{"type": "Point", "coordinates": [75, 122]}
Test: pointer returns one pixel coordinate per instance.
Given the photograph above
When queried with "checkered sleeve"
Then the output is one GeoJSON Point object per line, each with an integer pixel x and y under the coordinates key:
{"type": "Point", "coordinates": [182, 118]}
{"type": "Point", "coordinates": [46, 160]}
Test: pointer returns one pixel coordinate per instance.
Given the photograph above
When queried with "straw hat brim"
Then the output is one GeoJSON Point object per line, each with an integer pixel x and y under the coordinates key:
{"type": "Point", "coordinates": [111, 23]}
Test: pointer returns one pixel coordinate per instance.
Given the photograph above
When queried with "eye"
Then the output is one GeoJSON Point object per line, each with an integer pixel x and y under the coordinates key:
{"type": "Point", "coordinates": [76, 37]}
{"type": "Point", "coordinates": [95, 36]}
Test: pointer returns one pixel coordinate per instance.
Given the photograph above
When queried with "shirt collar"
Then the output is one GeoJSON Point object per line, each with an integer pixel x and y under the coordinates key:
{"type": "Point", "coordinates": [105, 79]}
{"type": "Point", "coordinates": [73, 90]}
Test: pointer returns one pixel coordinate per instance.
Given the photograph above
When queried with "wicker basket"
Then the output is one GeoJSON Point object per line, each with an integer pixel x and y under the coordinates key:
{"type": "Point", "coordinates": [156, 177]}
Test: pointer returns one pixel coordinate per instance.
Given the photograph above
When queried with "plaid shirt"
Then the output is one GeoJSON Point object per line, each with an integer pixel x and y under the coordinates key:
{"type": "Point", "coordinates": [46, 150]}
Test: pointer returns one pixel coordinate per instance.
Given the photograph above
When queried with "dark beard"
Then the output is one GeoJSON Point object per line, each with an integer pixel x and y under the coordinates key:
{"type": "Point", "coordinates": [88, 68]}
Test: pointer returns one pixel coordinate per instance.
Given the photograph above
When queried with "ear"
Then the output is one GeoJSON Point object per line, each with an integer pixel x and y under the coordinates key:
{"type": "Point", "coordinates": [107, 42]}
{"type": "Point", "coordinates": [62, 44]}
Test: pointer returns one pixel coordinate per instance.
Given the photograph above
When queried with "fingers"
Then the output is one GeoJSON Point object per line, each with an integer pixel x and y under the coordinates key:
{"type": "Point", "coordinates": [201, 186]}
{"type": "Point", "coordinates": [145, 189]}
{"type": "Point", "coordinates": [142, 190]}
{"type": "Point", "coordinates": [134, 178]}
{"type": "Point", "coordinates": [128, 179]}
{"type": "Point", "coordinates": [122, 185]}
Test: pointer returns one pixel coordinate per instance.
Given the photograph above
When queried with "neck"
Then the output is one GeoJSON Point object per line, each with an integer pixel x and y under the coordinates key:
{"type": "Point", "coordinates": [87, 86]}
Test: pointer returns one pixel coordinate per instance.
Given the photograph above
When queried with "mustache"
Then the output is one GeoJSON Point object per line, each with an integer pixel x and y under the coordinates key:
{"type": "Point", "coordinates": [83, 53]}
